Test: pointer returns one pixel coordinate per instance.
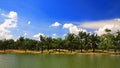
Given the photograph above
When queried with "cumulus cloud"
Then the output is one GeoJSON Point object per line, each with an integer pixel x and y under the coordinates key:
{"type": "Point", "coordinates": [38, 35]}
{"type": "Point", "coordinates": [55, 24]}
{"type": "Point", "coordinates": [29, 22]}
{"type": "Point", "coordinates": [114, 28]}
{"type": "Point", "coordinates": [10, 22]}
{"type": "Point", "coordinates": [73, 28]}
{"type": "Point", "coordinates": [12, 15]}
{"type": "Point", "coordinates": [54, 35]}
{"type": "Point", "coordinates": [99, 24]}
{"type": "Point", "coordinates": [68, 25]}
{"type": "Point", "coordinates": [5, 36]}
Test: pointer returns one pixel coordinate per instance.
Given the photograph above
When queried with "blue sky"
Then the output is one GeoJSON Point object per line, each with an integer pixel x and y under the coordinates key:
{"type": "Point", "coordinates": [43, 13]}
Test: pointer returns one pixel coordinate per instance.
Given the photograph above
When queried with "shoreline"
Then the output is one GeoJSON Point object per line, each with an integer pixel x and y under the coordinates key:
{"type": "Point", "coordinates": [56, 52]}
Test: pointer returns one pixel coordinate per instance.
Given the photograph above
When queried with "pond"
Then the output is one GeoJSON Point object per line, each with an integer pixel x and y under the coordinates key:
{"type": "Point", "coordinates": [59, 61]}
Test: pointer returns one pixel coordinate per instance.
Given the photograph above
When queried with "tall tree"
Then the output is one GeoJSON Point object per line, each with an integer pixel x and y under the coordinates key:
{"type": "Point", "coordinates": [4, 45]}
{"type": "Point", "coordinates": [20, 42]}
{"type": "Point", "coordinates": [49, 42]}
{"type": "Point", "coordinates": [107, 40]}
{"type": "Point", "coordinates": [42, 43]}
{"type": "Point", "coordinates": [87, 41]}
{"type": "Point", "coordinates": [81, 38]}
{"type": "Point", "coordinates": [70, 41]}
{"type": "Point", "coordinates": [94, 41]}
{"type": "Point", "coordinates": [116, 41]}
{"type": "Point", "coordinates": [11, 44]}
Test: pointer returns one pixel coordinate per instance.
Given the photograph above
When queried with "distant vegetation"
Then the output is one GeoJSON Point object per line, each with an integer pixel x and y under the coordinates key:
{"type": "Point", "coordinates": [71, 42]}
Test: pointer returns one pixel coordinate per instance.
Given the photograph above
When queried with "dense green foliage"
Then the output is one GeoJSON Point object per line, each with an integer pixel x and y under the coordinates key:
{"type": "Point", "coordinates": [71, 42]}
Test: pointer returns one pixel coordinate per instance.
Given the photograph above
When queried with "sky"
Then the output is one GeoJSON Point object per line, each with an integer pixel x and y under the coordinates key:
{"type": "Point", "coordinates": [56, 18]}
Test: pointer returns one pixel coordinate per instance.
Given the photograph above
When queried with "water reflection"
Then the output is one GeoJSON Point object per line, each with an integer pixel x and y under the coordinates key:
{"type": "Point", "coordinates": [58, 61]}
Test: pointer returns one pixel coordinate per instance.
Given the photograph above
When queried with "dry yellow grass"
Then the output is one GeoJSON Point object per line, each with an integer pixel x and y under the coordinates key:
{"type": "Point", "coordinates": [61, 52]}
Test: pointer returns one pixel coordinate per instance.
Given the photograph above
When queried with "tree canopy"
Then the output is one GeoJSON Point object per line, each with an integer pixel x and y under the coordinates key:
{"type": "Point", "coordinates": [71, 42]}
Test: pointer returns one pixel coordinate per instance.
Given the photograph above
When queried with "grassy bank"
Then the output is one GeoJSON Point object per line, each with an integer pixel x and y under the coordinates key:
{"type": "Point", "coordinates": [60, 52]}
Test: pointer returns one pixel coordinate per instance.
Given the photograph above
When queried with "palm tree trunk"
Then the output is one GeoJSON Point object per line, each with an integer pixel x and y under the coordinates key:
{"type": "Point", "coordinates": [59, 50]}
{"type": "Point", "coordinates": [48, 48]}
{"type": "Point", "coordinates": [115, 49]}
{"type": "Point", "coordinates": [25, 50]}
{"type": "Point", "coordinates": [93, 47]}
{"type": "Point", "coordinates": [42, 51]}
{"type": "Point", "coordinates": [71, 50]}
{"type": "Point", "coordinates": [4, 50]}
{"type": "Point", "coordinates": [81, 48]}
{"type": "Point", "coordinates": [86, 48]}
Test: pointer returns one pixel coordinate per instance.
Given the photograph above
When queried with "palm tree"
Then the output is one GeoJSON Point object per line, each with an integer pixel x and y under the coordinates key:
{"type": "Point", "coordinates": [116, 41]}
{"type": "Point", "coordinates": [94, 41]}
{"type": "Point", "coordinates": [87, 41]}
{"type": "Point", "coordinates": [5, 45]}
{"type": "Point", "coordinates": [81, 38]}
{"type": "Point", "coordinates": [1, 42]}
{"type": "Point", "coordinates": [107, 40]}
{"type": "Point", "coordinates": [20, 42]}
{"type": "Point", "coordinates": [26, 44]}
{"type": "Point", "coordinates": [70, 41]}
{"type": "Point", "coordinates": [42, 42]}
{"type": "Point", "coordinates": [11, 44]}
{"type": "Point", "coordinates": [58, 42]}
{"type": "Point", "coordinates": [49, 43]}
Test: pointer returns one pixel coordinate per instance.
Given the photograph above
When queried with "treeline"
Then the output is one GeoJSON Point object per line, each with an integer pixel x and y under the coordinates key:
{"type": "Point", "coordinates": [81, 41]}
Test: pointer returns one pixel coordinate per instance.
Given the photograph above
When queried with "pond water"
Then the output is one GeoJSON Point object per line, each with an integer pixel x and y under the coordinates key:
{"type": "Point", "coordinates": [59, 61]}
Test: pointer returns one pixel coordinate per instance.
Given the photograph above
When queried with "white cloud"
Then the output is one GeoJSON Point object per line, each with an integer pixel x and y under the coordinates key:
{"type": "Point", "coordinates": [73, 28]}
{"type": "Point", "coordinates": [29, 22]}
{"type": "Point", "coordinates": [2, 14]}
{"type": "Point", "coordinates": [12, 15]}
{"type": "Point", "coordinates": [10, 22]}
{"type": "Point", "coordinates": [68, 25]}
{"type": "Point", "coordinates": [99, 24]}
{"type": "Point", "coordinates": [38, 35]}
{"type": "Point", "coordinates": [114, 28]}
{"type": "Point", "coordinates": [55, 24]}
{"type": "Point", "coordinates": [54, 35]}
{"type": "Point", "coordinates": [5, 36]}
